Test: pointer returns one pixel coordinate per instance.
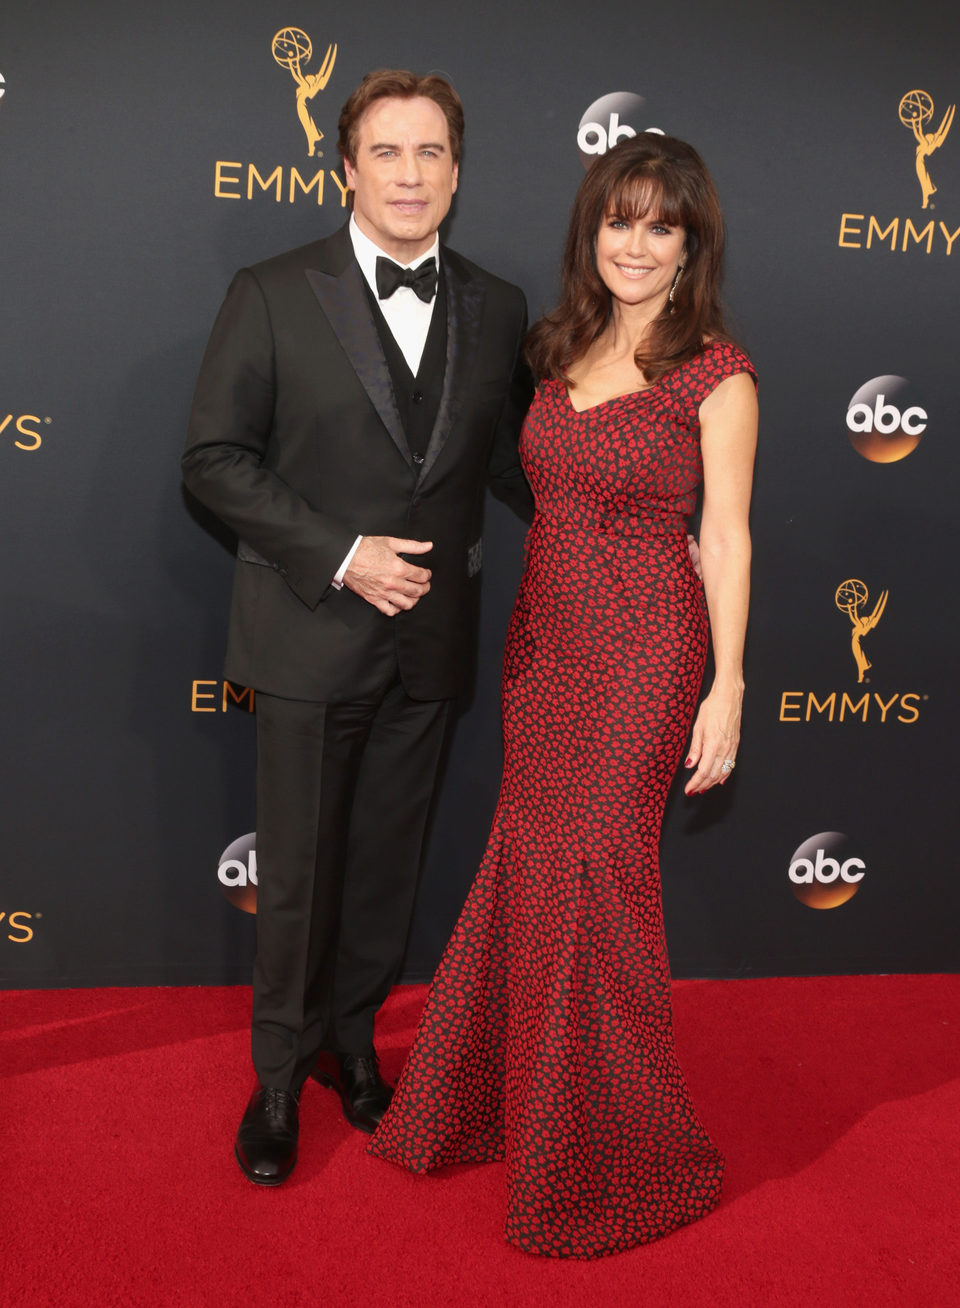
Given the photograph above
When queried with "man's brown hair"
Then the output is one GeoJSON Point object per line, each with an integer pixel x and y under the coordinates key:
{"type": "Point", "coordinates": [399, 84]}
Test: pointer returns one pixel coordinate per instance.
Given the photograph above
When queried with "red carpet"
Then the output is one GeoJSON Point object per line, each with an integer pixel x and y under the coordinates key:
{"type": "Point", "coordinates": [836, 1101]}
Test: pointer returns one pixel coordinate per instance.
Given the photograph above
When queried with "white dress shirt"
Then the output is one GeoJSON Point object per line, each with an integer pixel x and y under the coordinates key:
{"type": "Point", "coordinates": [407, 316]}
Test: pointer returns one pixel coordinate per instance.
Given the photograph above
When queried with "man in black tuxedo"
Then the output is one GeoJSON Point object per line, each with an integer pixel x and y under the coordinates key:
{"type": "Point", "coordinates": [355, 397]}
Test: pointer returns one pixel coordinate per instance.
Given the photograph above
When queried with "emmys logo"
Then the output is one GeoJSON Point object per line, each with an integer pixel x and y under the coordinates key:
{"type": "Point", "coordinates": [292, 49]}
{"type": "Point", "coordinates": [823, 874]}
{"type": "Point", "coordinates": [2, 84]}
{"type": "Point", "coordinates": [852, 598]}
{"type": "Point", "coordinates": [25, 426]}
{"type": "Point", "coordinates": [861, 231]}
{"type": "Point", "coordinates": [884, 421]}
{"type": "Point", "coordinates": [607, 121]}
{"type": "Point", "coordinates": [237, 872]}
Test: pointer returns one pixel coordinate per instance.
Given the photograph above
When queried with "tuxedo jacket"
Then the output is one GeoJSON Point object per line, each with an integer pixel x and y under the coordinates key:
{"type": "Point", "coordinates": [295, 441]}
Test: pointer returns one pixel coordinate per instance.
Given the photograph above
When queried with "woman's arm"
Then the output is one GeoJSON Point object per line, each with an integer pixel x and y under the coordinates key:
{"type": "Point", "coordinates": [728, 441]}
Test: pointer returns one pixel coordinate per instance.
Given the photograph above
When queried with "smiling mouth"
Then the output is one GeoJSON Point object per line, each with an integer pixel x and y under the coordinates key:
{"type": "Point", "coordinates": [409, 206]}
{"type": "Point", "coordinates": [628, 271]}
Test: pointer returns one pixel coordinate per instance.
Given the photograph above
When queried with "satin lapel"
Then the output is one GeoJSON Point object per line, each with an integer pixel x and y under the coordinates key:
{"type": "Point", "coordinates": [465, 298]}
{"type": "Point", "coordinates": [343, 299]}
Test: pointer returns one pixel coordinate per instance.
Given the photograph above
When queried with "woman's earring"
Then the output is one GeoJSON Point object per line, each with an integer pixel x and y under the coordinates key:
{"type": "Point", "coordinates": [673, 288]}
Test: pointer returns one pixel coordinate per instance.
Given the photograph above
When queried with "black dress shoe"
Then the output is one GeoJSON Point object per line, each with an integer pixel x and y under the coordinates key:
{"type": "Point", "coordinates": [364, 1094]}
{"type": "Point", "coordinates": [266, 1147]}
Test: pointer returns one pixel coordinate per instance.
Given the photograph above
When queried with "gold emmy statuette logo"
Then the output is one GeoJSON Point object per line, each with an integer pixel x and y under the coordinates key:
{"type": "Point", "coordinates": [851, 597]}
{"type": "Point", "coordinates": [291, 47]}
{"type": "Point", "coordinates": [916, 110]}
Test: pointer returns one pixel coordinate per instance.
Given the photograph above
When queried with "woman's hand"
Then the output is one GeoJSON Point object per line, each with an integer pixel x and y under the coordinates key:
{"type": "Point", "coordinates": [715, 738]}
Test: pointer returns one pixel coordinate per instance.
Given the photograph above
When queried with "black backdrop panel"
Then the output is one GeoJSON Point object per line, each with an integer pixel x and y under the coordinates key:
{"type": "Point", "coordinates": [145, 154]}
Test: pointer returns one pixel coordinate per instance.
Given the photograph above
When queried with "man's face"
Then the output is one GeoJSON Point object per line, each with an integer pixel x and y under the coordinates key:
{"type": "Point", "coordinates": [403, 177]}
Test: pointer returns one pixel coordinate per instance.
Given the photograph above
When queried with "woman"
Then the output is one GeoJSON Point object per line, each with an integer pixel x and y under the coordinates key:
{"type": "Point", "coordinates": [547, 1037]}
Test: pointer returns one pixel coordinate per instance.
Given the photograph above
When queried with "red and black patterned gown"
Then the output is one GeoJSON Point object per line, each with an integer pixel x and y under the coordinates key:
{"type": "Point", "coordinates": [547, 1037]}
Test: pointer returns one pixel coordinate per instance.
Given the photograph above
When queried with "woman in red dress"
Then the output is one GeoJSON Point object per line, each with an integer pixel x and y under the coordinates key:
{"type": "Point", "coordinates": [547, 1036]}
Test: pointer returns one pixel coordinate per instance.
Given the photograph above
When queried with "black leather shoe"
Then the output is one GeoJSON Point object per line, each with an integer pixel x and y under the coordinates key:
{"type": "Point", "coordinates": [364, 1094]}
{"type": "Point", "coordinates": [266, 1147]}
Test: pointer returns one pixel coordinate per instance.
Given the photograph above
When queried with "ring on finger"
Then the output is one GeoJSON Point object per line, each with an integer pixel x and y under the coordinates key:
{"type": "Point", "coordinates": [728, 765]}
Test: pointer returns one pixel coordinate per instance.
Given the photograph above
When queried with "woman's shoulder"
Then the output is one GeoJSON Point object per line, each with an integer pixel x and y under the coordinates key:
{"type": "Point", "coordinates": [721, 359]}
{"type": "Point", "coordinates": [692, 381]}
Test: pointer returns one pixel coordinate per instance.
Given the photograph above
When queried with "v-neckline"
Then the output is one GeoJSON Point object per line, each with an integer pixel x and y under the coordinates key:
{"type": "Point", "coordinates": [612, 399]}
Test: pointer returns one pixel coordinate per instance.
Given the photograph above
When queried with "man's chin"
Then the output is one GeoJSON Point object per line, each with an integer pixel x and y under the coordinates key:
{"type": "Point", "coordinates": [412, 229]}
{"type": "Point", "coordinates": [412, 238]}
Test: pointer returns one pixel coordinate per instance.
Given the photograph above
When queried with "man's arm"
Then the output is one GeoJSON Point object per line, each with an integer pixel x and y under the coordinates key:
{"type": "Point", "coordinates": [504, 471]}
{"type": "Point", "coordinates": [227, 438]}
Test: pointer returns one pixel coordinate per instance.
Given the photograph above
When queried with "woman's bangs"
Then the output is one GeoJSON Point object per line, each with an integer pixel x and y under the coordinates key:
{"type": "Point", "coordinates": [639, 195]}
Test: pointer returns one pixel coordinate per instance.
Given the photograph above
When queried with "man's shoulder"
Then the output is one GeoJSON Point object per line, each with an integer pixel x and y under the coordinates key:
{"type": "Point", "coordinates": [327, 254]}
{"type": "Point", "coordinates": [467, 270]}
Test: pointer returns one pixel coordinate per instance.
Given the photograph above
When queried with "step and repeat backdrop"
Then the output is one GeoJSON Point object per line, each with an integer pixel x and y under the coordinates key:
{"type": "Point", "coordinates": [147, 152]}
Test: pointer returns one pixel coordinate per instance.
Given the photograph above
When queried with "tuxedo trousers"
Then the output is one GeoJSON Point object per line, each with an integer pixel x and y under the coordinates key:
{"type": "Point", "coordinates": [343, 797]}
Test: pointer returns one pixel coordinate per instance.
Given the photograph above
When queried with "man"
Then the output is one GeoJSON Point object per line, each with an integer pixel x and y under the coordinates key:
{"type": "Point", "coordinates": [354, 398]}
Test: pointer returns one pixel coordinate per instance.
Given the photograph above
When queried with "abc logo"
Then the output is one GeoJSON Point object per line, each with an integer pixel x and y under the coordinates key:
{"type": "Point", "coordinates": [884, 419]}
{"type": "Point", "coordinates": [607, 121]}
{"type": "Point", "coordinates": [822, 872]}
{"type": "Point", "coordinates": [237, 872]}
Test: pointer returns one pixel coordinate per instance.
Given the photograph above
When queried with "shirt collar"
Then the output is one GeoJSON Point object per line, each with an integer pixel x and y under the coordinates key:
{"type": "Point", "coordinates": [367, 254]}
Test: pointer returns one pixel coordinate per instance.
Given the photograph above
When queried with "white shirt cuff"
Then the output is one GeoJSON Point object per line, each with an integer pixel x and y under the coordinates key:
{"type": "Point", "coordinates": [337, 582]}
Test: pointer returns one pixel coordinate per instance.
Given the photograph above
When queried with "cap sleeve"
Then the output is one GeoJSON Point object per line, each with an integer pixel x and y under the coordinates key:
{"type": "Point", "coordinates": [692, 382]}
{"type": "Point", "coordinates": [718, 361]}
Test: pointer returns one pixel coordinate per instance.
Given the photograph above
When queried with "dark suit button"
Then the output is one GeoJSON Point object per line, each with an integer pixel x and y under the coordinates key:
{"type": "Point", "coordinates": [418, 397]}
{"type": "Point", "coordinates": [418, 458]}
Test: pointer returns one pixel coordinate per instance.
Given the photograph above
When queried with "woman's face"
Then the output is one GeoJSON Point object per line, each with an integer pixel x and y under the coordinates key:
{"type": "Point", "coordinates": [638, 258]}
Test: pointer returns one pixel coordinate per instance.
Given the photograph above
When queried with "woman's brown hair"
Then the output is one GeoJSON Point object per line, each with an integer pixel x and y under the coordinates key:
{"type": "Point", "coordinates": [646, 175]}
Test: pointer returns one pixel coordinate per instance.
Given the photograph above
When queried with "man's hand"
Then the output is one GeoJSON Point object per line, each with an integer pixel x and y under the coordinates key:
{"type": "Point", "coordinates": [378, 574]}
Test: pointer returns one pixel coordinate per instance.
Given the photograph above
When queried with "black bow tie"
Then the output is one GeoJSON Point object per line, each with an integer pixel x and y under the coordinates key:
{"type": "Point", "coordinates": [422, 280]}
